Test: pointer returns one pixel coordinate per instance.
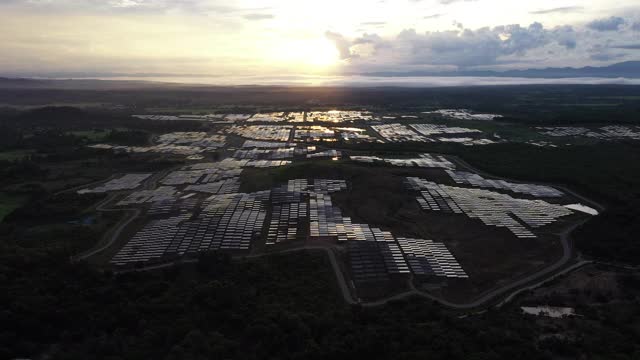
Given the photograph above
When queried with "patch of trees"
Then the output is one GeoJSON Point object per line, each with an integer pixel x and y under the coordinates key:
{"type": "Point", "coordinates": [127, 137]}
{"type": "Point", "coordinates": [279, 307]}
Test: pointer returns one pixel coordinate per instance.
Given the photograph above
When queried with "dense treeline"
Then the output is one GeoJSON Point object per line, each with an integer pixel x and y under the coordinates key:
{"type": "Point", "coordinates": [536, 104]}
{"type": "Point", "coordinates": [50, 128]}
{"type": "Point", "coordinates": [279, 307]}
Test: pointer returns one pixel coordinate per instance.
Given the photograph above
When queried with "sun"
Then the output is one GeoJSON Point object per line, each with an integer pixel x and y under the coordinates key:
{"type": "Point", "coordinates": [310, 54]}
{"type": "Point", "coordinates": [321, 52]}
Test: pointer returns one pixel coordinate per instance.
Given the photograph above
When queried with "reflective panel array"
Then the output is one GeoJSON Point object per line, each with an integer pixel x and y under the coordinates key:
{"type": "Point", "coordinates": [492, 208]}
{"type": "Point", "coordinates": [273, 154]}
{"type": "Point", "coordinates": [263, 132]}
{"type": "Point", "coordinates": [468, 178]}
{"type": "Point", "coordinates": [612, 132]}
{"type": "Point", "coordinates": [200, 175]}
{"type": "Point", "coordinates": [289, 207]}
{"type": "Point", "coordinates": [237, 117]}
{"type": "Point", "coordinates": [463, 114]}
{"type": "Point", "coordinates": [228, 186]}
{"type": "Point", "coordinates": [426, 257]}
{"type": "Point", "coordinates": [177, 143]}
{"type": "Point", "coordinates": [151, 242]}
{"type": "Point", "coordinates": [315, 133]}
{"type": "Point", "coordinates": [285, 221]}
{"type": "Point", "coordinates": [227, 221]}
{"type": "Point", "coordinates": [125, 182]}
{"type": "Point", "coordinates": [355, 134]}
{"type": "Point", "coordinates": [295, 117]}
{"type": "Point", "coordinates": [327, 153]}
{"type": "Point", "coordinates": [164, 208]}
{"type": "Point", "coordinates": [367, 263]}
{"type": "Point", "coordinates": [207, 117]}
{"type": "Point", "coordinates": [162, 193]}
{"type": "Point", "coordinates": [338, 116]}
{"type": "Point", "coordinates": [432, 129]}
{"type": "Point", "coordinates": [424, 160]}
{"type": "Point", "coordinates": [233, 220]}
{"type": "Point", "coordinates": [267, 117]}
{"type": "Point", "coordinates": [398, 133]}
{"type": "Point", "coordinates": [466, 141]}
{"type": "Point", "coordinates": [265, 144]}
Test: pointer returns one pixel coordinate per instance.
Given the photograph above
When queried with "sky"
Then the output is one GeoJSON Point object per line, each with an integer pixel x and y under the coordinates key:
{"type": "Point", "coordinates": [212, 38]}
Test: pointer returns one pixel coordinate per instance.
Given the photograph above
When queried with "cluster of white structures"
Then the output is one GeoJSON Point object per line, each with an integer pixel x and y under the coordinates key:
{"type": "Point", "coordinates": [374, 254]}
{"type": "Point", "coordinates": [614, 132]}
{"type": "Point", "coordinates": [355, 134]}
{"type": "Point", "coordinates": [271, 153]}
{"type": "Point", "coordinates": [398, 133]}
{"type": "Point", "coordinates": [177, 143]}
{"type": "Point", "coordinates": [161, 193]}
{"type": "Point", "coordinates": [263, 132]}
{"type": "Point", "coordinates": [468, 178]}
{"type": "Point", "coordinates": [228, 221]}
{"type": "Point", "coordinates": [432, 129]}
{"type": "Point", "coordinates": [334, 154]}
{"type": "Point", "coordinates": [463, 114]}
{"type": "Point", "coordinates": [338, 116]}
{"type": "Point", "coordinates": [314, 133]}
{"type": "Point", "coordinates": [206, 117]}
{"type": "Point", "coordinates": [492, 208]}
{"type": "Point", "coordinates": [427, 257]}
{"type": "Point", "coordinates": [334, 116]}
{"type": "Point", "coordinates": [423, 160]}
{"type": "Point", "coordinates": [267, 117]}
{"type": "Point", "coordinates": [266, 144]}
{"type": "Point", "coordinates": [125, 182]}
{"type": "Point", "coordinates": [425, 133]}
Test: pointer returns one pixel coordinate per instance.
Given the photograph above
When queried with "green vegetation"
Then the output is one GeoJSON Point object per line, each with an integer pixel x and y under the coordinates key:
{"type": "Point", "coordinates": [15, 155]}
{"type": "Point", "coordinates": [283, 306]}
{"type": "Point", "coordinates": [9, 202]}
{"type": "Point", "coordinates": [95, 135]}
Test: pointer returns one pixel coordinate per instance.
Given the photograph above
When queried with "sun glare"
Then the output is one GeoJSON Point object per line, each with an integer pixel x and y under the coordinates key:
{"type": "Point", "coordinates": [313, 54]}
{"type": "Point", "coordinates": [321, 52]}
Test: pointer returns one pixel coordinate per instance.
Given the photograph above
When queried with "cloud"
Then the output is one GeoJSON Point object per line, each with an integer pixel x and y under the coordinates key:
{"type": "Point", "coordinates": [138, 7]}
{"type": "Point", "coordinates": [433, 16]}
{"type": "Point", "coordinates": [627, 46]}
{"type": "Point", "coordinates": [605, 56]}
{"type": "Point", "coordinates": [447, 2]}
{"type": "Point", "coordinates": [612, 23]}
{"type": "Point", "coordinates": [460, 48]}
{"type": "Point", "coordinates": [635, 26]}
{"type": "Point", "coordinates": [342, 44]}
{"type": "Point", "coordinates": [373, 23]}
{"type": "Point", "coordinates": [565, 9]}
{"type": "Point", "coordinates": [258, 16]}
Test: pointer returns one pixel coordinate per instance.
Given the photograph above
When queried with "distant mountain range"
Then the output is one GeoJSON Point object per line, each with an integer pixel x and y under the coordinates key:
{"type": "Point", "coordinates": [623, 71]}
{"type": "Point", "coordinates": [628, 69]}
